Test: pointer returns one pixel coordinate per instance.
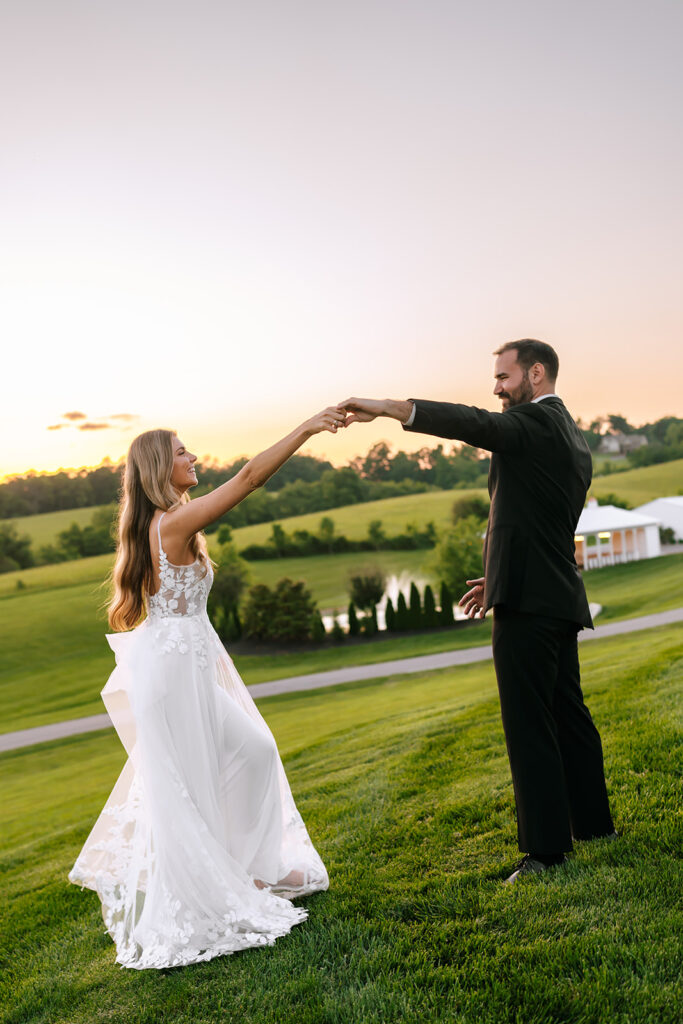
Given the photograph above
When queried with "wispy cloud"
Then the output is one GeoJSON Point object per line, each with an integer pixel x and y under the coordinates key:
{"type": "Point", "coordinates": [117, 420]}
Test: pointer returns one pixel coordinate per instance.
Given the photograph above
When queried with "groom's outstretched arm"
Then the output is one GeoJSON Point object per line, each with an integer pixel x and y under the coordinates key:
{"type": "Point", "coordinates": [494, 431]}
{"type": "Point", "coordinates": [363, 410]}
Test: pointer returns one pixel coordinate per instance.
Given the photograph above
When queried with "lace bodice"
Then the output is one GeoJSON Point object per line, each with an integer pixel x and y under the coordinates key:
{"type": "Point", "coordinates": [183, 589]}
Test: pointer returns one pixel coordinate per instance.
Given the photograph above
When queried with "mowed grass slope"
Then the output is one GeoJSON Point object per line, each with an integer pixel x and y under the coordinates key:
{"type": "Point", "coordinates": [55, 660]}
{"type": "Point", "coordinates": [405, 789]}
{"type": "Point", "coordinates": [641, 485]}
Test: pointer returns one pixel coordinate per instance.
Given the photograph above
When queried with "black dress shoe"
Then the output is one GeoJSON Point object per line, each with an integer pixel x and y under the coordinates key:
{"type": "Point", "coordinates": [528, 865]}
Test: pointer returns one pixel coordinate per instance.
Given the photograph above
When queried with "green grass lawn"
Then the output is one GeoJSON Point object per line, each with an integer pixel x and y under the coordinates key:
{"type": "Point", "coordinates": [641, 485]}
{"type": "Point", "coordinates": [51, 577]}
{"type": "Point", "coordinates": [637, 588]}
{"type": "Point", "coordinates": [405, 789]}
{"type": "Point", "coordinates": [55, 659]}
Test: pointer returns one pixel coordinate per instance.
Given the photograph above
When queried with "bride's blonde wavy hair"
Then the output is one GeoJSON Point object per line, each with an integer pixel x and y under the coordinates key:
{"type": "Point", "coordinates": [146, 487]}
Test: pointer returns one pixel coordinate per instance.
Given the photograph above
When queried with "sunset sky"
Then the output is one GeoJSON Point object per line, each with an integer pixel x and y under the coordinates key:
{"type": "Point", "coordinates": [220, 216]}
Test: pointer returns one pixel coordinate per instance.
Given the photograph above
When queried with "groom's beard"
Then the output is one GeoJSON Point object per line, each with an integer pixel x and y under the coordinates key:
{"type": "Point", "coordinates": [519, 395]}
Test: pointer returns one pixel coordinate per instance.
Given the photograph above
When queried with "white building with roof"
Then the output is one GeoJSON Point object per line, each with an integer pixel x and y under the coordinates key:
{"type": "Point", "coordinates": [668, 511]}
{"type": "Point", "coordinates": [607, 535]}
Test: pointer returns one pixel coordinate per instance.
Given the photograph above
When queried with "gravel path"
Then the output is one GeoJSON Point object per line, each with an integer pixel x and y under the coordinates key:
{"type": "Point", "coordinates": [353, 674]}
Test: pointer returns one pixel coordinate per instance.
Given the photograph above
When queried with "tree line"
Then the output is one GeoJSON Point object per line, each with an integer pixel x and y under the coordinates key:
{"type": "Point", "coordinates": [304, 484]}
{"type": "Point", "coordinates": [309, 484]}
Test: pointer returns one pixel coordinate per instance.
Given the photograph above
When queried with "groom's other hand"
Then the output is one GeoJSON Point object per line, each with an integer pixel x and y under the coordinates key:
{"type": "Point", "coordinates": [472, 602]}
{"type": "Point", "coordinates": [364, 410]}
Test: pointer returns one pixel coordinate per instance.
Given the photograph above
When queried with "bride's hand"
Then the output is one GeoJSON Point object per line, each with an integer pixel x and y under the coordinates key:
{"type": "Point", "coordinates": [329, 419]}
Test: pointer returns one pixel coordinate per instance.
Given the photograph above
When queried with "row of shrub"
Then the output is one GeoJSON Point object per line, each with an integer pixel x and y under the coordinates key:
{"type": "Point", "coordinates": [416, 613]}
{"type": "Point", "coordinates": [303, 543]}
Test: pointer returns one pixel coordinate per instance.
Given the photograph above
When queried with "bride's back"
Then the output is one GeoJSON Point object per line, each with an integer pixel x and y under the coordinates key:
{"type": "Point", "coordinates": [180, 589]}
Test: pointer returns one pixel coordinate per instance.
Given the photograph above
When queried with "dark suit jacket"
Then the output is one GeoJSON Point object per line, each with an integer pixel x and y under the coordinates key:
{"type": "Point", "coordinates": [540, 473]}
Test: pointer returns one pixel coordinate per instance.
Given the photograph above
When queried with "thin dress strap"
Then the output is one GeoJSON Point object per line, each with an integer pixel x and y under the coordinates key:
{"type": "Point", "coordinates": [161, 549]}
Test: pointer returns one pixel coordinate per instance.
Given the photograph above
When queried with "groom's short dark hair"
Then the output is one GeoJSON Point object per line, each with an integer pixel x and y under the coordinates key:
{"type": "Point", "coordinates": [530, 351]}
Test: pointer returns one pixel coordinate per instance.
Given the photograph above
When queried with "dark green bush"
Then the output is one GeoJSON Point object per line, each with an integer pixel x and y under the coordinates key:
{"type": "Point", "coordinates": [284, 615]}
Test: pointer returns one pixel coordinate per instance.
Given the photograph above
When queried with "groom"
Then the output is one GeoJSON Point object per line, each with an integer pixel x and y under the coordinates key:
{"type": "Point", "coordinates": [540, 474]}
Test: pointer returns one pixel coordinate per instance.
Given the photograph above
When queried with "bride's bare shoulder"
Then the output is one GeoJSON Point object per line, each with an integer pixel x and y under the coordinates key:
{"type": "Point", "coordinates": [169, 530]}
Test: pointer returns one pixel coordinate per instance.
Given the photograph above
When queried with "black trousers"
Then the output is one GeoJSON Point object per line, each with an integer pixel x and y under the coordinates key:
{"type": "Point", "coordinates": [554, 748]}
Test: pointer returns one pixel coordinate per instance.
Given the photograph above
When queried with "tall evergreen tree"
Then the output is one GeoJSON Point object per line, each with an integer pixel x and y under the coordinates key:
{"type": "Point", "coordinates": [390, 616]}
{"type": "Point", "coordinates": [354, 625]}
{"type": "Point", "coordinates": [370, 622]}
{"type": "Point", "coordinates": [415, 607]}
{"type": "Point", "coordinates": [402, 614]}
{"type": "Point", "coordinates": [429, 608]}
{"type": "Point", "coordinates": [446, 615]}
{"type": "Point", "coordinates": [318, 631]}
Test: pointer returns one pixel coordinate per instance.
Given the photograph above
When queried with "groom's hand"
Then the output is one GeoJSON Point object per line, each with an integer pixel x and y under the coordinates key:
{"type": "Point", "coordinates": [361, 410]}
{"type": "Point", "coordinates": [364, 410]}
{"type": "Point", "coordinates": [472, 602]}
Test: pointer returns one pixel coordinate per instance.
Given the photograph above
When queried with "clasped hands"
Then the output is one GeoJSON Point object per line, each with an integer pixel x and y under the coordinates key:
{"type": "Point", "coordinates": [356, 410]}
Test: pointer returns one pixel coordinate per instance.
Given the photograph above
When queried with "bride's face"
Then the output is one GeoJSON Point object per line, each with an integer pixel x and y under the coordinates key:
{"type": "Point", "coordinates": [183, 475]}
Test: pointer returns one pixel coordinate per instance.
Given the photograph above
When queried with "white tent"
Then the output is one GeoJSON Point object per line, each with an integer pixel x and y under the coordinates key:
{"type": "Point", "coordinates": [668, 511]}
{"type": "Point", "coordinates": [607, 535]}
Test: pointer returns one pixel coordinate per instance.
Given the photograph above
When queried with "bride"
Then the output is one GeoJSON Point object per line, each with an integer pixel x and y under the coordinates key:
{"type": "Point", "coordinates": [200, 848]}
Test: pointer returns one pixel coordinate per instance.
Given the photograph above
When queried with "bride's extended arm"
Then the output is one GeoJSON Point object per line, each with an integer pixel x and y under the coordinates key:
{"type": "Point", "coordinates": [188, 519]}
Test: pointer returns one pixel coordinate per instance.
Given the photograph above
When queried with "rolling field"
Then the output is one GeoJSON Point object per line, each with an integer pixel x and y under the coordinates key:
{"type": "Point", "coordinates": [404, 786]}
{"type": "Point", "coordinates": [55, 659]}
{"type": "Point", "coordinates": [641, 485]}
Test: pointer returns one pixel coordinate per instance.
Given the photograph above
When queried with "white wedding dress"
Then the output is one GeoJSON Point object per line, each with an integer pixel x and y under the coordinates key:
{"type": "Point", "coordinates": [199, 848]}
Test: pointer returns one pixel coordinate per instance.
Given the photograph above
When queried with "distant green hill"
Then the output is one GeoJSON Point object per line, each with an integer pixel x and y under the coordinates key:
{"type": "Point", "coordinates": [44, 527]}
